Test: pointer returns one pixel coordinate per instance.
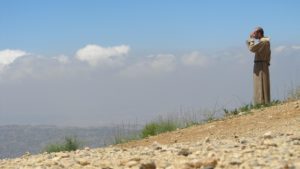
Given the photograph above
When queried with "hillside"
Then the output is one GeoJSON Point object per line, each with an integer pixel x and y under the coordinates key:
{"type": "Point", "coordinates": [265, 138]}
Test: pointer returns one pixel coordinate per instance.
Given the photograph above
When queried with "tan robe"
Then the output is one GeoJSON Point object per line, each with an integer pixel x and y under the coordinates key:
{"type": "Point", "coordinates": [261, 76]}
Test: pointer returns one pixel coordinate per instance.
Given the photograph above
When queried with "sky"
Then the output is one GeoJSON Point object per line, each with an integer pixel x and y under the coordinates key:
{"type": "Point", "coordinates": [93, 63]}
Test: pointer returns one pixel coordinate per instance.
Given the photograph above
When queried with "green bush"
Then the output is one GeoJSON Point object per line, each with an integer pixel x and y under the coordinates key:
{"type": "Point", "coordinates": [248, 107]}
{"type": "Point", "coordinates": [161, 126]}
{"type": "Point", "coordinates": [69, 144]}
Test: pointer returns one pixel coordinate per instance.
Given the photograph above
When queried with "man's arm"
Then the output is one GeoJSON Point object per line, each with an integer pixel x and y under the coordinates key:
{"type": "Point", "coordinates": [254, 47]}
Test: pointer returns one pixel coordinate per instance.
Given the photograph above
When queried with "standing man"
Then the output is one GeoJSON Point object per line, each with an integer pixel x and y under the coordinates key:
{"type": "Point", "coordinates": [261, 76]}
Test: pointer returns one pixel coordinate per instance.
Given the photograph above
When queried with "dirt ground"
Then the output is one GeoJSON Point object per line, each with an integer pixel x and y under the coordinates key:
{"type": "Point", "coordinates": [282, 118]}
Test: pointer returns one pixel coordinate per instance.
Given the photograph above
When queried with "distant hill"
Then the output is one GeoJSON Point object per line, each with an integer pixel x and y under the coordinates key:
{"type": "Point", "coordinates": [15, 140]}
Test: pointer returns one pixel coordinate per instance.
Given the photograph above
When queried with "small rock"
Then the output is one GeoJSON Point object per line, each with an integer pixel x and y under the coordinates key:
{"type": "Point", "coordinates": [156, 146]}
{"type": "Point", "coordinates": [131, 163]}
{"type": "Point", "coordinates": [170, 167]}
{"type": "Point", "coordinates": [269, 143]}
{"type": "Point", "coordinates": [297, 164]}
{"type": "Point", "coordinates": [83, 162]}
{"type": "Point", "coordinates": [64, 155]}
{"type": "Point", "coordinates": [135, 159]}
{"type": "Point", "coordinates": [235, 161]}
{"type": "Point", "coordinates": [184, 152]}
{"type": "Point", "coordinates": [295, 138]}
{"type": "Point", "coordinates": [296, 142]}
{"type": "Point", "coordinates": [210, 164]}
{"type": "Point", "coordinates": [288, 166]}
{"type": "Point", "coordinates": [245, 166]}
{"type": "Point", "coordinates": [206, 140]}
{"type": "Point", "coordinates": [243, 147]}
{"type": "Point", "coordinates": [243, 141]}
{"type": "Point", "coordinates": [268, 135]}
{"type": "Point", "coordinates": [56, 158]}
{"type": "Point", "coordinates": [208, 167]}
{"type": "Point", "coordinates": [196, 163]}
{"type": "Point", "coordinates": [211, 154]}
{"type": "Point", "coordinates": [150, 165]}
{"type": "Point", "coordinates": [209, 148]}
{"type": "Point", "coordinates": [39, 167]}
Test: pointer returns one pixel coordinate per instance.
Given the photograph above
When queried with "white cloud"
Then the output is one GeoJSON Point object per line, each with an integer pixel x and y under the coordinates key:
{"type": "Point", "coordinates": [37, 66]}
{"type": "Point", "coordinates": [163, 63]}
{"type": "Point", "coordinates": [195, 59]}
{"type": "Point", "coordinates": [8, 56]}
{"type": "Point", "coordinates": [295, 47]}
{"type": "Point", "coordinates": [153, 64]}
{"type": "Point", "coordinates": [62, 59]}
{"type": "Point", "coordinates": [280, 49]}
{"type": "Point", "coordinates": [97, 55]}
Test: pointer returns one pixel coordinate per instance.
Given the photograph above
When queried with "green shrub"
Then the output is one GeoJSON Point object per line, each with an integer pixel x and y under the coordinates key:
{"type": "Point", "coordinates": [248, 107]}
{"type": "Point", "coordinates": [161, 126]}
{"type": "Point", "coordinates": [69, 144]}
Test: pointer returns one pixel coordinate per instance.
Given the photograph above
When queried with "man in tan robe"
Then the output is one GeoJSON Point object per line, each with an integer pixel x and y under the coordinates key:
{"type": "Point", "coordinates": [261, 76]}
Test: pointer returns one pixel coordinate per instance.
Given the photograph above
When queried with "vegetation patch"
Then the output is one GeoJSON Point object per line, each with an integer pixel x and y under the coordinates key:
{"type": "Point", "coordinates": [69, 144]}
{"type": "Point", "coordinates": [161, 126]}
{"type": "Point", "coordinates": [246, 109]}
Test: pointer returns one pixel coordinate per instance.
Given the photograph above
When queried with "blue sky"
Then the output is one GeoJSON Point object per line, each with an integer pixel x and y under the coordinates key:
{"type": "Point", "coordinates": [94, 62]}
{"type": "Point", "coordinates": [56, 27]}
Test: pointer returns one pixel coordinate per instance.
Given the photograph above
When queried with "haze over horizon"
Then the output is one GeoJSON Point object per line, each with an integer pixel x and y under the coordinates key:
{"type": "Point", "coordinates": [94, 63]}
